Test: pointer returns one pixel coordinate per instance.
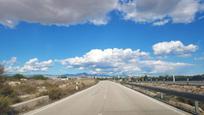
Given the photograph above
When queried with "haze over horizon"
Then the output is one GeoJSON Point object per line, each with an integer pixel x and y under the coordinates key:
{"type": "Point", "coordinates": [129, 37]}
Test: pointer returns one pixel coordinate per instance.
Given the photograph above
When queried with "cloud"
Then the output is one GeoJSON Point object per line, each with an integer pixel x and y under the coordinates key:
{"type": "Point", "coordinates": [120, 61]}
{"type": "Point", "coordinates": [10, 62]}
{"type": "Point", "coordinates": [160, 23]}
{"type": "Point", "coordinates": [158, 66]}
{"type": "Point", "coordinates": [199, 58]}
{"type": "Point", "coordinates": [174, 48]}
{"type": "Point", "coordinates": [35, 65]}
{"type": "Point", "coordinates": [98, 61]}
{"type": "Point", "coordinates": [159, 11]}
{"type": "Point", "coordinates": [32, 65]}
{"type": "Point", "coordinates": [202, 7]}
{"type": "Point", "coordinates": [55, 12]}
{"type": "Point", "coordinates": [72, 12]}
{"type": "Point", "coordinates": [108, 60]}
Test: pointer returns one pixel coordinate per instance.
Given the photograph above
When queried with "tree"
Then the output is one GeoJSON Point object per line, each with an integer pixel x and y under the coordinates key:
{"type": "Point", "coordinates": [1, 69]}
{"type": "Point", "coordinates": [1, 72]}
{"type": "Point", "coordinates": [18, 76]}
{"type": "Point", "coordinates": [39, 77]}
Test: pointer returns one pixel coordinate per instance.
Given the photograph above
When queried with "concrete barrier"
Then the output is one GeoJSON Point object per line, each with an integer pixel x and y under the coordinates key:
{"type": "Point", "coordinates": [30, 104]}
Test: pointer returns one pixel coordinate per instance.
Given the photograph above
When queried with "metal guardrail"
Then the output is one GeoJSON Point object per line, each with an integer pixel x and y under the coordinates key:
{"type": "Point", "coordinates": [193, 83]}
{"type": "Point", "coordinates": [196, 97]}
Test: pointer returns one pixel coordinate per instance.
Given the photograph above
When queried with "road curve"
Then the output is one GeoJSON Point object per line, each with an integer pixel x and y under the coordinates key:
{"type": "Point", "coordinates": [107, 98]}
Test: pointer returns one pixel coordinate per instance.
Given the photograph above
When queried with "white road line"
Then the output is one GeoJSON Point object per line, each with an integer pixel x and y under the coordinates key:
{"type": "Point", "coordinates": [156, 101]}
{"type": "Point", "coordinates": [58, 102]}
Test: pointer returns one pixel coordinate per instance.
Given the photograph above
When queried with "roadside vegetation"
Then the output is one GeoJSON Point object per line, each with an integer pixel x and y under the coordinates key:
{"type": "Point", "coordinates": [169, 78]}
{"type": "Point", "coordinates": [8, 95]}
{"type": "Point", "coordinates": [18, 88]}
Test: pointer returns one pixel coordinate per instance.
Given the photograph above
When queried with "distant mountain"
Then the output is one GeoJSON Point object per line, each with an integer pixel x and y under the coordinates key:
{"type": "Point", "coordinates": [85, 75]}
{"type": "Point", "coordinates": [64, 75]}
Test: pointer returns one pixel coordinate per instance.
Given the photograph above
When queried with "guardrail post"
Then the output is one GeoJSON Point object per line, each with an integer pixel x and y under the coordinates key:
{"type": "Point", "coordinates": [77, 86]}
{"type": "Point", "coordinates": [197, 111]}
{"type": "Point", "coordinates": [187, 81]}
{"type": "Point", "coordinates": [174, 80]}
{"type": "Point", "coordinates": [161, 95]}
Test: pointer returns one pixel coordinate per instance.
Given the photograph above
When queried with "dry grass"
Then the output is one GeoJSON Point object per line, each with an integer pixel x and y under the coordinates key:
{"type": "Point", "coordinates": [22, 90]}
{"type": "Point", "coordinates": [184, 88]}
{"type": "Point", "coordinates": [36, 88]}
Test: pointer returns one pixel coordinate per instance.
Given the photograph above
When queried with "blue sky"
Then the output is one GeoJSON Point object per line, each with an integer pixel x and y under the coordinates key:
{"type": "Point", "coordinates": [36, 46]}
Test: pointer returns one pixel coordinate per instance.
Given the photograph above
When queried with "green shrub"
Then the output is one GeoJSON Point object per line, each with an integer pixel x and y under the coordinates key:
{"type": "Point", "coordinates": [7, 91]}
{"type": "Point", "coordinates": [1, 69]}
{"type": "Point", "coordinates": [39, 77]}
{"type": "Point", "coordinates": [56, 93]}
{"type": "Point", "coordinates": [18, 76]}
{"type": "Point", "coordinates": [4, 105]}
{"type": "Point", "coordinates": [25, 89]}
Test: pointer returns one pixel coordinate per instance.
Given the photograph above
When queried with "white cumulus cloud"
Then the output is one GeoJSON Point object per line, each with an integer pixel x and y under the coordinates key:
{"type": "Point", "coordinates": [108, 60]}
{"type": "Point", "coordinates": [120, 61]}
{"type": "Point", "coordinates": [72, 12]}
{"type": "Point", "coordinates": [55, 12]}
{"type": "Point", "coordinates": [158, 66]}
{"type": "Point", "coordinates": [174, 47]}
{"type": "Point", "coordinates": [35, 65]}
{"type": "Point", "coordinates": [10, 62]}
{"type": "Point", "coordinates": [160, 12]}
{"type": "Point", "coordinates": [32, 65]}
{"type": "Point", "coordinates": [160, 23]}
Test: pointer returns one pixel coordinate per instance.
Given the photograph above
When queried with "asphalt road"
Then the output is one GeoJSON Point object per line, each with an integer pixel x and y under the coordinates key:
{"type": "Point", "coordinates": [107, 98]}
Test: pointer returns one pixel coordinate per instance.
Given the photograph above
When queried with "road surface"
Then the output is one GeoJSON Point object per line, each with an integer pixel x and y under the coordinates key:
{"type": "Point", "coordinates": [107, 98]}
